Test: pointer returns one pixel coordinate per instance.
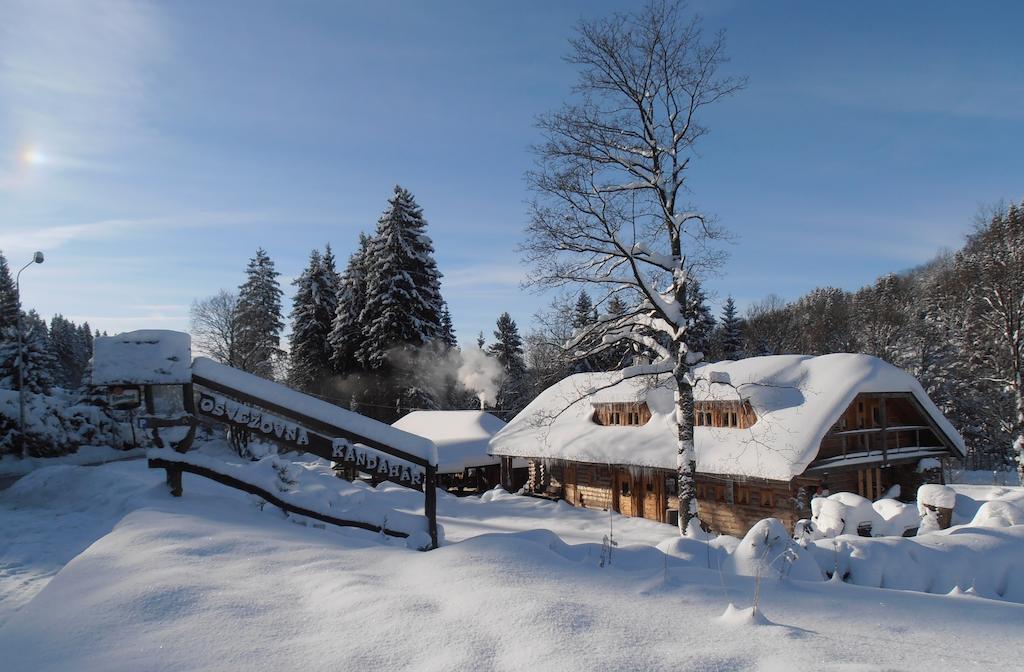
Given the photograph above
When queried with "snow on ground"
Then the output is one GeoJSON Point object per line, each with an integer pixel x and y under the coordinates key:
{"type": "Point", "coordinates": [100, 569]}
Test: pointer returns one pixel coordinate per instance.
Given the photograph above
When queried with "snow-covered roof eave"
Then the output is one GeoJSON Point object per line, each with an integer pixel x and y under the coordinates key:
{"type": "Point", "coordinates": [797, 399]}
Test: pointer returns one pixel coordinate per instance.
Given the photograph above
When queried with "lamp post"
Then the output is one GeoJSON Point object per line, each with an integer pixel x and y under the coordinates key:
{"type": "Point", "coordinates": [37, 258]}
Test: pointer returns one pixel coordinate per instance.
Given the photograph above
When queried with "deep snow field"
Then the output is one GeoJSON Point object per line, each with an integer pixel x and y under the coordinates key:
{"type": "Point", "coordinates": [101, 569]}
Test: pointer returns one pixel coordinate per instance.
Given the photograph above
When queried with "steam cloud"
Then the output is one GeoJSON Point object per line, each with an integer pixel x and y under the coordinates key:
{"type": "Point", "coordinates": [479, 373]}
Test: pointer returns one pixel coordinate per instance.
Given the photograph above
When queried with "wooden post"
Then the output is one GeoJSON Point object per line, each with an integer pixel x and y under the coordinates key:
{"type": "Point", "coordinates": [430, 502]}
{"type": "Point", "coordinates": [174, 481]}
{"type": "Point", "coordinates": [151, 411]}
{"type": "Point", "coordinates": [506, 473]}
{"type": "Point", "coordinates": [885, 430]}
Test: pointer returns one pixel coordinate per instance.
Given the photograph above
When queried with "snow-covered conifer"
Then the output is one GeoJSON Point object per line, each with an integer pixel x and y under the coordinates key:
{"type": "Point", "coordinates": [508, 350]}
{"type": "Point", "coordinates": [347, 330]}
{"type": "Point", "coordinates": [731, 344]}
{"type": "Point", "coordinates": [259, 317]}
{"type": "Point", "coordinates": [312, 314]}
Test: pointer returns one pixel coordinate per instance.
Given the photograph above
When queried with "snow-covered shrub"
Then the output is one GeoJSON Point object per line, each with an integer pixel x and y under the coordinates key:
{"type": "Point", "coordinates": [55, 425]}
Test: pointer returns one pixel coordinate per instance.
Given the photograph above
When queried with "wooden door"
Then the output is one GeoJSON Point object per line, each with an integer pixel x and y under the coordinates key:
{"type": "Point", "coordinates": [624, 488]}
{"type": "Point", "coordinates": [653, 493]}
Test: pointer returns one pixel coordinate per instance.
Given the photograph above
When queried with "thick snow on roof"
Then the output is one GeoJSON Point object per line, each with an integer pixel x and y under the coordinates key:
{"type": "Point", "coordinates": [280, 395]}
{"type": "Point", "coordinates": [462, 437]}
{"type": "Point", "coordinates": [797, 399]}
{"type": "Point", "coordinates": [144, 357]}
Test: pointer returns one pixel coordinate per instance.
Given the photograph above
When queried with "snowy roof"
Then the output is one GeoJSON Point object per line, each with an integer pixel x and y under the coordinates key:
{"type": "Point", "coordinates": [462, 437]}
{"type": "Point", "coordinates": [797, 399]}
{"type": "Point", "coordinates": [281, 395]}
{"type": "Point", "coordinates": [144, 357]}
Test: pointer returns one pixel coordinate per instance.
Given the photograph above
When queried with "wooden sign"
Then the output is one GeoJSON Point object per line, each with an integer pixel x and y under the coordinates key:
{"type": "Point", "coordinates": [293, 436]}
{"type": "Point", "coordinates": [124, 398]}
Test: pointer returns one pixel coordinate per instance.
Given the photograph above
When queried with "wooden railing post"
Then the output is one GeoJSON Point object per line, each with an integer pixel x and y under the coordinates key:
{"type": "Point", "coordinates": [430, 502]}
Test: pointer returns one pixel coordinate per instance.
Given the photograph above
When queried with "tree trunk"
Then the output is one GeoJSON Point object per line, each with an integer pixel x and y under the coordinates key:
{"type": "Point", "coordinates": [686, 459]}
{"type": "Point", "coordinates": [1018, 445]}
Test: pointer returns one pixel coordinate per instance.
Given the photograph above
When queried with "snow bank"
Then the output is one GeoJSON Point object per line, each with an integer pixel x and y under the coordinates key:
{"type": "Point", "coordinates": [797, 399]}
{"type": "Point", "coordinates": [462, 437]}
{"type": "Point", "coordinates": [147, 356]}
{"type": "Point", "coordinates": [313, 486]}
{"type": "Point", "coordinates": [210, 583]}
{"type": "Point", "coordinates": [987, 558]}
{"type": "Point", "coordinates": [280, 395]}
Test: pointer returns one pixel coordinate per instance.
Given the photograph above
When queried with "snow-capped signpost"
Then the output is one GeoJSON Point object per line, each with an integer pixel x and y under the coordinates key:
{"type": "Point", "coordinates": [610, 184]}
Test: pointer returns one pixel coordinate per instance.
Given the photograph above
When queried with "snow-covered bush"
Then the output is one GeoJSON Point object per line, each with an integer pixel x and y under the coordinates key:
{"type": "Point", "coordinates": [55, 425]}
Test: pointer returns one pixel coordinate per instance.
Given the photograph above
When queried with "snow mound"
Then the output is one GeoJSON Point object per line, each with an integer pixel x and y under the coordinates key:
{"type": "Point", "coordinates": [768, 550]}
{"type": "Point", "coordinates": [998, 514]}
{"type": "Point", "coordinates": [748, 616]}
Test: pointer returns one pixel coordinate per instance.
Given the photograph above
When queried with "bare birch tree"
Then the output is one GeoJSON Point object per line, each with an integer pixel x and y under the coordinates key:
{"type": "Point", "coordinates": [215, 327]}
{"type": "Point", "coordinates": [610, 208]}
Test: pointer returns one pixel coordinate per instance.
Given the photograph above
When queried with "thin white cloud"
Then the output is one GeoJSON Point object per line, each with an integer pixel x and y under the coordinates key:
{"type": "Point", "coordinates": [74, 77]}
{"type": "Point", "coordinates": [482, 275]}
{"type": "Point", "coordinates": [52, 237]}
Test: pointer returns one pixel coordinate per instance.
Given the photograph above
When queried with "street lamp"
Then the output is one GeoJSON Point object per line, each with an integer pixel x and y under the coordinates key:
{"type": "Point", "coordinates": [37, 258]}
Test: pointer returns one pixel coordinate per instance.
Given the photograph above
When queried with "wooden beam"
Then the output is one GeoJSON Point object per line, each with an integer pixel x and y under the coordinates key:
{"type": "Point", "coordinates": [309, 422]}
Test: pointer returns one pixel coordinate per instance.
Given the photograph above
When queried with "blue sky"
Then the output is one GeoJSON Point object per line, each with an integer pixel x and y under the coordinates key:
{"type": "Point", "coordinates": [149, 148]}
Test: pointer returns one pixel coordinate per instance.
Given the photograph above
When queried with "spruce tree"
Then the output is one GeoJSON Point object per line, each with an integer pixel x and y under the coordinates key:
{"type": "Point", "coordinates": [731, 332]}
{"type": "Point", "coordinates": [38, 359]}
{"type": "Point", "coordinates": [508, 350]}
{"type": "Point", "coordinates": [347, 331]}
{"type": "Point", "coordinates": [584, 315]}
{"type": "Point", "coordinates": [700, 322]}
{"type": "Point", "coordinates": [480, 340]}
{"type": "Point", "coordinates": [312, 314]}
{"type": "Point", "coordinates": [448, 330]}
{"type": "Point", "coordinates": [9, 305]}
{"type": "Point", "coordinates": [259, 316]}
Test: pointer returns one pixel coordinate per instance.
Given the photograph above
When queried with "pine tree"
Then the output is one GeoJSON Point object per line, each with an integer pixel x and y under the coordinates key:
{"type": "Point", "coordinates": [480, 340]}
{"type": "Point", "coordinates": [731, 343]}
{"type": "Point", "coordinates": [259, 316]}
{"type": "Point", "coordinates": [508, 350]}
{"type": "Point", "coordinates": [312, 314]}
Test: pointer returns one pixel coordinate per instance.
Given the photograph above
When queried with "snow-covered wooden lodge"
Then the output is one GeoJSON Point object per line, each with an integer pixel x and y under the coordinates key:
{"type": "Point", "coordinates": [770, 433]}
{"type": "Point", "coordinates": [462, 439]}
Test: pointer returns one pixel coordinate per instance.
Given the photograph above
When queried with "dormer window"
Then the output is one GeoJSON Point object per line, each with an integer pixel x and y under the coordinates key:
{"type": "Point", "coordinates": [631, 414]}
{"type": "Point", "coordinates": [730, 414]}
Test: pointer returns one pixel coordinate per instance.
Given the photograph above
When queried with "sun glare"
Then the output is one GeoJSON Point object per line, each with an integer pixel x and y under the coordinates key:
{"type": "Point", "coordinates": [33, 156]}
